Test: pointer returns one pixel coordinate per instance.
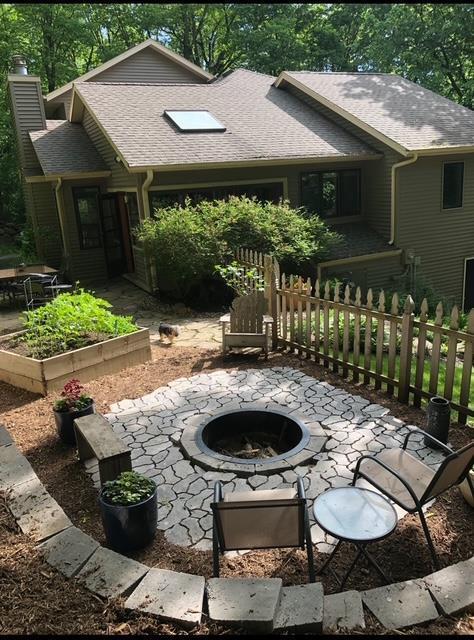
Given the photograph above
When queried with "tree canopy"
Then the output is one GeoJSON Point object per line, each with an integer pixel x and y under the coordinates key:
{"type": "Point", "coordinates": [428, 43]}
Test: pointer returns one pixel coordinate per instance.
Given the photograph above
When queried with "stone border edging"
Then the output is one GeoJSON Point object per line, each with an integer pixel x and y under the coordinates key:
{"type": "Point", "coordinates": [273, 607]}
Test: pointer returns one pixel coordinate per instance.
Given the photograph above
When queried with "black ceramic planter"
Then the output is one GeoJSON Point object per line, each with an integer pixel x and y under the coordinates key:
{"type": "Point", "coordinates": [129, 527]}
{"type": "Point", "coordinates": [64, 422]}
{"type": "Point", "coordinates": [438, 416]}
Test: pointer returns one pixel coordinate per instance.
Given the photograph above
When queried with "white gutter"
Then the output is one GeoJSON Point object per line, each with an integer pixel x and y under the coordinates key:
{"type": "Point", "coordinates": [145, 186]}
{"type": "Point", "coordinates": [59, 204]}
{"type": "Point", "coordinates": [146, 214]}
{"type": "Point", "coordinates": [393, 203]}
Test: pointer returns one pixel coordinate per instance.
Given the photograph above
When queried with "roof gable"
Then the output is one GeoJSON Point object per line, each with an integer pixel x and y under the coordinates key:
{"type": "Point", "coordinates": [402, 114]}
{"type": "Point", "coordinates": [170, 56]}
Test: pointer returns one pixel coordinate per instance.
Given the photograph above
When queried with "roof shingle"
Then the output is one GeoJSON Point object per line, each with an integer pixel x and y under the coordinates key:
{"type": "Point", "coordinates": [64, 147]}
{"type": "Point", "coordinates": [262, 122]}
{"type": "Point", "coordinates": [407, 113]}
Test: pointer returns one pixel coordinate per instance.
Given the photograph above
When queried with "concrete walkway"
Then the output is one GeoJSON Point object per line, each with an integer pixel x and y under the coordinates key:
{"type": "Point", "coordinates": [196, 330]}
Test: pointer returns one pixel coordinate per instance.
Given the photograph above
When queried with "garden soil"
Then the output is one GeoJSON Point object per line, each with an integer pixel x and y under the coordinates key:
{"type": "Point", "coordinates": [34, 598]}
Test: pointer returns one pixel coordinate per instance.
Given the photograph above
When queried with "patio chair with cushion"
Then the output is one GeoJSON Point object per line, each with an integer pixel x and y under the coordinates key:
{"type": "Point", "coordinates": [409, 482]}
{"type": "Point", "coordinates": [265, 519]}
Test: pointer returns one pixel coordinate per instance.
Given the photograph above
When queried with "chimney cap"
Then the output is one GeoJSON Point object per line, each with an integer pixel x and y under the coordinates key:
{"type": "Point", "coordinates": [19, 64]}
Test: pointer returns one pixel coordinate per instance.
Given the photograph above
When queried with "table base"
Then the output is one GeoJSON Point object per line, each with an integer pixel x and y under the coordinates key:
{"type": "Point", "coordinates": [361, 551]}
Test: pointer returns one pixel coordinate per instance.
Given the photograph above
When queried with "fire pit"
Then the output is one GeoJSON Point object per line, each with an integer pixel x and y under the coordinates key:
{"type": "Point", "coordinates": [250, 441]}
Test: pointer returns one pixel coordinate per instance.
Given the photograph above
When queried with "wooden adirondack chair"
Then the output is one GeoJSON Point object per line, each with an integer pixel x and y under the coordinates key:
{"type": "Point", "coordinates": [249, 326]}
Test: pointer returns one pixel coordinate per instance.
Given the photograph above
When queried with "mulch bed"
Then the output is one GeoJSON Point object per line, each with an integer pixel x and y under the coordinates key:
{"type": "Point", "coordinates": [29, 419]}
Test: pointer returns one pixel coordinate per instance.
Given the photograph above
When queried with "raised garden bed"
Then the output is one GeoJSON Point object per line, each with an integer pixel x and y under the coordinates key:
{"type": "Point", "coordinates": [87, 363]}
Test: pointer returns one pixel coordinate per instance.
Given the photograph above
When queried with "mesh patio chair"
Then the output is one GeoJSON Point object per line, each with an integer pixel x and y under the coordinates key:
{"type": "Point", "coordinates": [265, 519]}
{"type": "Point", "coordinates": [409, 482]}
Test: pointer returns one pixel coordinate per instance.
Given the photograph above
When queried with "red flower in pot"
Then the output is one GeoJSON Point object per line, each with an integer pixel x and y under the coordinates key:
{"type": "Point", "coordinates": [74, 403]}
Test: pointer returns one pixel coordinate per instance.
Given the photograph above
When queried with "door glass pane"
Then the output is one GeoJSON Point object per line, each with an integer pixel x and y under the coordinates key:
{"type": "Point", "coordinates": [112, 238]}
{"type": "Point", "coordinates": [349, 184]}
{"type": "Point", "coordinates": [86, 202]}
{"type": "Point", "coordinates": [453, 185]}
{"type": "Point", "coordinates": [133, 215]}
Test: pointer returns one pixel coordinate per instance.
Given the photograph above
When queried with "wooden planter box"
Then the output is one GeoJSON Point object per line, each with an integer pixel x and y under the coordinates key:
{"type": "Point", "coordinates": [88, 363]}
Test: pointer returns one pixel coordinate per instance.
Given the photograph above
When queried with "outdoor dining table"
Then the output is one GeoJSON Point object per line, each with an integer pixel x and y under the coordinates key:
{"type": "Point", "coordinates": [16, 273]}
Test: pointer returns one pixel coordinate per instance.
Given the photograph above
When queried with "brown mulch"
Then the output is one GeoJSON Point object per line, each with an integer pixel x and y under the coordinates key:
{"type": "Point", "coordinates": [29, 419]}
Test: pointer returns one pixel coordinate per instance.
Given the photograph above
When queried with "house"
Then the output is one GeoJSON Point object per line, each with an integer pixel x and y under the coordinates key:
{"type": "Point", "coordinates": [388, 163]}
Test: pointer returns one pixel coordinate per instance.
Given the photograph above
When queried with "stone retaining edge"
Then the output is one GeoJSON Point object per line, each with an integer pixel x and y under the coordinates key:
{"type": "Point", "coordinates": [93, 564]}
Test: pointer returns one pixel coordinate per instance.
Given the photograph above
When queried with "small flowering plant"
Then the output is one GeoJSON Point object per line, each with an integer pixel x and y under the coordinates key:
{"type": "Point", "coordinates": [73, 397]}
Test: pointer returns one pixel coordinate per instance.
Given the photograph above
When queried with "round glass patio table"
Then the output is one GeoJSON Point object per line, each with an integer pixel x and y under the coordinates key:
{"type": "Point", "coordinates": [354, 515]}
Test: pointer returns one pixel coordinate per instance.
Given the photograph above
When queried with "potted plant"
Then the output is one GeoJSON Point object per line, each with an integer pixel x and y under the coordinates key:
{"type": "Point", "coordinates": [129, 512]}
{"type": "Point", "coordinates": [74, 403]}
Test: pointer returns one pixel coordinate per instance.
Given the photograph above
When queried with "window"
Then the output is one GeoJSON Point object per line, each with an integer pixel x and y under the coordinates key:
{"type": "Point", "coordinates": [268, 191]}
{"type": "Point", "coordinates": [331, 194]}
{"type": "Point", "coordinates": [194, 121]}
{"type": "Point", "coordinates": [133, 215]}
{"type": "Point", "coordinates": [453, 179]}
{"type": "Point", "coordinates": [86, 205]}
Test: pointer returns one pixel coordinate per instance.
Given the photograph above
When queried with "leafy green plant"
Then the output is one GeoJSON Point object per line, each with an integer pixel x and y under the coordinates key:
{"type": "Point", "coordinates": [187, 242]}
{"type": "Point", "coordinates": [129, 488]}
{"type": "Point", "coordinates": [233, 275]}
{"type": "Point", "coordinates": [73, 397]}
{"type": "Point", "coordinates": [71, 321]}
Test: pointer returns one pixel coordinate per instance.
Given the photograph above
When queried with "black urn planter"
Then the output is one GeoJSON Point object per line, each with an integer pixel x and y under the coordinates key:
{"type": "Point", "coordinates": [64, 422]}
{"type": "Point", "coordinates": [438, 420]}
{"type": "Point", "coordinates": [129, 527]}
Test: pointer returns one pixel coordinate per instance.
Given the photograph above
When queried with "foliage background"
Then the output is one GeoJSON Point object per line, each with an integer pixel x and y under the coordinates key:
{"type": "Point", "coordinates": [428, 43]}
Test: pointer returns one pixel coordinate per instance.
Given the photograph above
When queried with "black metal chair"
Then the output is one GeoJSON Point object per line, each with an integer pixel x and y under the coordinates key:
{"type": "Point", "coordinates": [275, 518]}
{"type": "Point", "coordinates": [36, 290]}
{"type": "Point", "coordinates": [409, 482]}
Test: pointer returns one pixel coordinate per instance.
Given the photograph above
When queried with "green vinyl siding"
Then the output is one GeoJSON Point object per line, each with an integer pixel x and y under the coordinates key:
{"type": "Point", "coordinates": [440, 238]}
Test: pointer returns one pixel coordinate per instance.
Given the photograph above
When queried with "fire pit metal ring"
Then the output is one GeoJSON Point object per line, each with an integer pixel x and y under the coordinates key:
{"type": "Point", "coordinates": [303, 440]}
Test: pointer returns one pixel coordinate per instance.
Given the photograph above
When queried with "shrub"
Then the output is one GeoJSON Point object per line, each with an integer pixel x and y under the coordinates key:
{"type": "Point", "coordinates": [233, 273]}
{"type": "Point", "coordinates": [129, 488]}
{"type": "Point", "coordinates": [187, 242]}
{"type": "Point", "coordinates": [71, 321]}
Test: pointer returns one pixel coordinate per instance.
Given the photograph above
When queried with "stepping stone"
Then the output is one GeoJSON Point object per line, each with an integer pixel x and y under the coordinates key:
{"type": "Point", "coordinates": [14, 468]}
{"type": "Point", "coordinates": [109, 574]}
{"type": "Point", "coordinates": [248, 603]}
{"type": "Point", "coordinates": [5, 437]}
{"type": "Point", "coordinates": [68, 551]}
{"type": "Point", "coordinates": [301, 609]}
{"type": "Point", "coordinates": [175, 597]}
{"type": "Point", "coordinates": [453, 587]}
{"type": "Point", "coordinates": [401, 604]}
{"type": "Point", "coordinates": [343, 611]}
{"type": "Point", "coordinates": [35, 511]}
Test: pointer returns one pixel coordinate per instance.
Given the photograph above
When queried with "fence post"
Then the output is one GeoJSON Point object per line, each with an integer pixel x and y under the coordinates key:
{"type": "Point", "coordinates": [271, 295]}
{"type": "Point", "coordinates": [406, 347]}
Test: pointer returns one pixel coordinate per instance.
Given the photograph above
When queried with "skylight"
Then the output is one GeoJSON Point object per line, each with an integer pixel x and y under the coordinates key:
{"type": "Point", "coordinates": [194, 120]}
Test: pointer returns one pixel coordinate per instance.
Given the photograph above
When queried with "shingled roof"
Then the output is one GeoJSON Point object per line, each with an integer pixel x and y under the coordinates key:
{"type": "Point", "coordinates": [405, 112]}
{"type": "Point", "coordinates": [64, 148]}
{"type": "Point", "coordinates": [262, 123]}
{"type": "Point", "coordinates": [357, 239]}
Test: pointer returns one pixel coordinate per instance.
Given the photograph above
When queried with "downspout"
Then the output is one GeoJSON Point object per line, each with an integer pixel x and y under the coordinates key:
{"type": "Point", "coordinates": [146, 214]}
{"type": "Point", "coordinates": [393, 203]}
{"type": "Point", "coordinates": [60, 207]}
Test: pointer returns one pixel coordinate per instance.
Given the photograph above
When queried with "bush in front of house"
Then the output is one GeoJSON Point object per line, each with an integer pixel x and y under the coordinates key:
{"type": "Point", "coordinates": [71, 321]}
{"type": "Point", "coordinates": [187, 242]}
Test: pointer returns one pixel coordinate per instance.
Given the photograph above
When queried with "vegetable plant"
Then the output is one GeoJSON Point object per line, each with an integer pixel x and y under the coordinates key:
{"type": "Point", "coordinates": [71, 321]}
{"type": "Point", "coordinates": [128, 488]}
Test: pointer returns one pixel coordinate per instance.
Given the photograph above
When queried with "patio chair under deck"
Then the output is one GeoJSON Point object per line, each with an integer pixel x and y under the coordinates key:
{"type": "Point", "coordinates": [410, 483]}
{"type": "Point", "coordinates": [264, 519]}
